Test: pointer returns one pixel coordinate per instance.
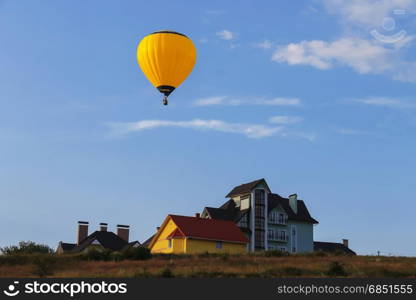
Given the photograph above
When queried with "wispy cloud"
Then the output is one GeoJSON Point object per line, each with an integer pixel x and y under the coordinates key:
{"type": "Point", "coordinates": [226, 35]}
{"type": "Point", "coordinates": [285, 120]}
{"type": "Point", "coordinates": [230, 101]}
{"type": "Point", "coordinates": [253, 131]}
{"type": "Point", "coordinates": [249, 130]}
{"type": "Point", "coordinates": [386, 102]}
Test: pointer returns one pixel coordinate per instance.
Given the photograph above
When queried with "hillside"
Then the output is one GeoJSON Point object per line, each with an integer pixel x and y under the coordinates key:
{"type": "Point", "coordinates": [259, 265]}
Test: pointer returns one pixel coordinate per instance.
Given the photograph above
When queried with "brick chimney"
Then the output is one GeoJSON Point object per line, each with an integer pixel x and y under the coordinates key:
{"type": "Point", "coordinates": [293, 202]}
{"type": "Point", "coordinates": [103, 226]}
{"type": "Point", "coordinates": [82, 231]}
{"type": "Point", "coordinates": [345, 242]}
{"type": "Point", "coordinates": [197, 215]}
{"type": "Point", "coordinates": [123, 232]}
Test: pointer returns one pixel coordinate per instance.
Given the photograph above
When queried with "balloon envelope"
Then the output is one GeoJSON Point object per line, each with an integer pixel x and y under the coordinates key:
{"type": "Point", "coordinates": [166, 59]}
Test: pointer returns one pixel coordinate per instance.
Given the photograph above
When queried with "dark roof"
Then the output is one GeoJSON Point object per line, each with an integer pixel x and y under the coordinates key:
{"type": "Point", "coordinates": [332, 247]}
{"type": "Point", "coordinates": [220, 214]}
{"type": "Point", "coordinates": [208, 229]}
{"type": "Point", "coordinates": [302, 215]}
{"type": "Point", "coordinates": [67, 246]}
{"type": "Point", "coordinates": [245, 188]}
{"type": "Point", "coordinates": [108, 240]}
{"type": "Point", "coordinates": [229, 212]}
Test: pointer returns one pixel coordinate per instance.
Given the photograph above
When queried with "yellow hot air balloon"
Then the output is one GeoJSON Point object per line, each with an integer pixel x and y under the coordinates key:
{"type": "Point", "coordinates": [166, 59]}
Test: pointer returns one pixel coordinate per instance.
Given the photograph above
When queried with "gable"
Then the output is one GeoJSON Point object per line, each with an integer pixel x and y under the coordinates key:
{"type": "Point", "coordinates": [168, 226]}
{"type": "Point", "coordinates": [247, 188]}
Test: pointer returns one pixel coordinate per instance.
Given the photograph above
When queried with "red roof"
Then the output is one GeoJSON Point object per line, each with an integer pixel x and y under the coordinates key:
{"type": "Point", "coordinates": [176, 234]}
{"type": "Point", "coordinates": [208, 229]}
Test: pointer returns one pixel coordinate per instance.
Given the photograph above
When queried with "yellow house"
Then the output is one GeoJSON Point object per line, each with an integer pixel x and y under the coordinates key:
{"type": "Point", "coordinates": [181, 234]}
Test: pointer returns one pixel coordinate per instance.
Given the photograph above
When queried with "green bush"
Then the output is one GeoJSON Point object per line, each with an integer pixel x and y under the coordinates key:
{"type": "Point", "coordinates": [27, 248]}
{"type": "Point", "coordinates": [336, 269]}
{"type": "Point", "coordinates": [44, 265]}
{"type": "Point", "coordinates": [96, 254]}
{"type": "Point", "coordinates": [138, 253]}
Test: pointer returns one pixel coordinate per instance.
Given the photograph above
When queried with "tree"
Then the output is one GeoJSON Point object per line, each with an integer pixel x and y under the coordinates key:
{"type": "Point", "coordinates": [28, 247]}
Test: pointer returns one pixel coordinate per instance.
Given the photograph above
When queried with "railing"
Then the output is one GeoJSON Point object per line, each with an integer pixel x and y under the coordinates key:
{"type": "Point", "coordinates": [277, 222]}
{"type": "Point", "coordinates": [279, 238]}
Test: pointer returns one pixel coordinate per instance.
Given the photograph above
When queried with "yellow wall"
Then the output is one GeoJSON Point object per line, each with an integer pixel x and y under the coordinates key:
{"type": "Point", "coordinates": [162, 246]}
{"type": "Point", "coordinates": [201, 246]}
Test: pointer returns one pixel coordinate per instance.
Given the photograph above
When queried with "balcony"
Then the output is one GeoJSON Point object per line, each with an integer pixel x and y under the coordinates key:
{"type": "Point", "coordinates": [278, 222]}
{"type": "Point", "coordinates": [277, 218]}
{"type": "Point", "coordinates": [281, 238]}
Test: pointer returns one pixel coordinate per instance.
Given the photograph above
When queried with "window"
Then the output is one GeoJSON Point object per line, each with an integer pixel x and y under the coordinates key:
{"type": "Point", "coordinates": [282, 218]}
{"type": "Point", "coordinates": [283, 249]}
{"type": "Point", "coordinates": [277, 235]}
{"type": "Point", "coordinates": [277, 218]}
{"type": "Point", "coordinates": [259, 238]}
{"type": "Point", "coordinates": [259, 197]}
{"type": "Point", "coordinates": [243, 221]}
{"type": "Point", "coordinates": [273, 217]}
{"type": "Point", "coordinates": [294, 249]}
{"type": "Point", "coordinates": [259, 223]}
{"type": "Point", "coordinates": [271, 247]}
{"type": "Point", "coordinates": [282, 235]}
{"type": "Point", "coordinates": [259, 211]}
{"type": "Point", "coordinates": [218, 245]}
{"type": "Point", "coordinates": [169, 243]}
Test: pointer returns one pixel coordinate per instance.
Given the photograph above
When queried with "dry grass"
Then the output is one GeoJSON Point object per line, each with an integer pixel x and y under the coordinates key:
{"type": "Point", "coordinates": [228, 266]}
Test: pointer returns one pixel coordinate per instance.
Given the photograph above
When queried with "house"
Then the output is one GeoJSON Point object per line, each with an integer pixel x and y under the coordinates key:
{"type": "Point", "coordinates": [100, 239]}
{"type": "Point", "coordinates": [269, 221]}
{"type": "Point", "coordinates": [333, 247]}
{"type": "Point", "coordinates": [190, 235]}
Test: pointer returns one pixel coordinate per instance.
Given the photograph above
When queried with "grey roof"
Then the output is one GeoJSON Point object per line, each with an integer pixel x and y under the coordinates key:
{"type": "Point", "coordinates": [245, 188]}
{"type": "Point", "coordinates": [332, 247]}
{"type": "Point", "coordinates": [67, 246]}
{"type": "Point", "coordinates": [228, 211]}
{"type": "Point", "coordinates": [274, 200]}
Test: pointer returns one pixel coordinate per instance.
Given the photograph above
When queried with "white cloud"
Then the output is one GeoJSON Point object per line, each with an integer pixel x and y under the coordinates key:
{"type": "Point", "coordinates": [254, 131]}
{"type": "Point", "coordinates": [226, 100]}
{"type": "Point", "coordinates": [368, 13]}
{"type": "Point", "coordinates": [367, 46]}
{"type": "Point", "coordinates": [385, 102]}
{"type": "Point", "coordinates": [226, 35]}
{"type": "Point", "coordinates": [359, 54]}
{"type": "Point", "coordinates": [285, 120]}
{"type": "Point", "coordinates": [249, 130]}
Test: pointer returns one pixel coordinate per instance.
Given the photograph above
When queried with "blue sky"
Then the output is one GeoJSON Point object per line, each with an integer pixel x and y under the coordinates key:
{"type": "Point", "coordinates": [315, 96]}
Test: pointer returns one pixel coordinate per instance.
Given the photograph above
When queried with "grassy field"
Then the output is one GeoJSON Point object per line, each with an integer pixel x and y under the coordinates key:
{"type": "Point", "coordinates": [259, 265]}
